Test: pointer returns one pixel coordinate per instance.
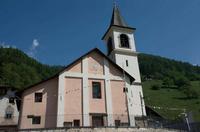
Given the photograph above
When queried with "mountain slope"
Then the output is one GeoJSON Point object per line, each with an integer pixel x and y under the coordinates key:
{"type": "Point", "coordinates": [19, 70]}
{"type": "Point", "coordinates": [157, 67]}
{"type": "Point", "coordinates": [170, 86]}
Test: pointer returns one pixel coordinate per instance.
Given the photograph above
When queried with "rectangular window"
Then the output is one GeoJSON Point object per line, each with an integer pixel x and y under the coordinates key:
{"type": "Point", "coordinates": [36, 120]}
{"type": "Point", "coordinates": [97, 121]}
{"type": "Point", "coordinates": [124, 124]}
{"type": "Point", "coordinates": [8, 115]}
{"type": "Point", "coordinates": [117, 122]}
{"type": "Point", "coordinates": [38, 97]}
{"type": "Point", "coordinates": [125, 89]}
{"type": "Point", "coordinates": [76, 123]}
{"type": "Point", "coordinates": [96, 90]}
{"type": "Point", "coordinates": [67, 124]}
{"type": "Point", "coordinates": [127, 63]}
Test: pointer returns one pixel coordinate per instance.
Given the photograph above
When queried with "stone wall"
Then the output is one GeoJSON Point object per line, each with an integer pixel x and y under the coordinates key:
{"type": "Point", "coordinates": [100, 130]}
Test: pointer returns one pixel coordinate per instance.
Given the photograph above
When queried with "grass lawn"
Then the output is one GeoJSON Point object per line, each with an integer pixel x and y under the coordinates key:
{"type": "Point", "coordinates": [171, 98]}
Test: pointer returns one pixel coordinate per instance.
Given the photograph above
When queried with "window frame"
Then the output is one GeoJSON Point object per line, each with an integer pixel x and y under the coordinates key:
{"type": "Point", "coordinates": [97, 120]}
{"type": "Point", "coordinates": [38, 99]}
{"type": "Point", "coordinates": [67, 124]}
{"type": "Point", "coordinates": [99, 95]}
{"type": "Point", "coordinates": [35, 119]}
{"type": "Point", "coordinates": [117, 123]}
{"type": "Point", "coordinates": [8, 116]}
{"type": "Point", "coordinates": [75, 122]}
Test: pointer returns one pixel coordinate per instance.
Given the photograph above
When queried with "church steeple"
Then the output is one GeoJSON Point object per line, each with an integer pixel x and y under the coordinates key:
{"type": "Point", "coordinates": [120, 42]}
{"type": "Point", "coordinates": [117, 19]}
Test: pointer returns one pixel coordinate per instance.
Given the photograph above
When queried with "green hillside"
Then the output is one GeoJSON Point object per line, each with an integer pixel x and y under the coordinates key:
{"type": "Point", "coordinates": [166, 82]}
{"type": "Point", "coordinates": [19, 70]}
{"type": "Point", "coordinates": [170, 86]}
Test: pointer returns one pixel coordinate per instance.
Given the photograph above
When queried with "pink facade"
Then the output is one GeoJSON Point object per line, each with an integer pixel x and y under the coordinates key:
{"type": "Point", "coordinates": [119, 103]}
{"type": "Point", "coordinates": [95, 62]}
{"type": "Point", "coordinates": [77, 67]}
{"type": "Point", "coordinates": [47, 109]}
{"type": "Point", "coordinates": [73, 100]}
{"type": "Point", "coordinates": [73, 96]}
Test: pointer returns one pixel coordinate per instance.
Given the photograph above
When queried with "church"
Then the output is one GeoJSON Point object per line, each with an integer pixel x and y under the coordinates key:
{"type": "Point", "coordinates": [94, 90]}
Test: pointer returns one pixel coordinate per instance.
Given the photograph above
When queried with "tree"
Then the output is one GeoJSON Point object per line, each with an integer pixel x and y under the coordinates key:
{"type": "Point", "coordinates": [168, 82]}
{"type": "Point", "coordinates": [189, 92]}
{"type": "Point", "coordinates": [182, 81]}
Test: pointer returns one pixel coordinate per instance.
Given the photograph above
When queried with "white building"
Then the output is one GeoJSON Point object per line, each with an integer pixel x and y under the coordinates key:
{"type": "Point", "coordinates": [8, 109]}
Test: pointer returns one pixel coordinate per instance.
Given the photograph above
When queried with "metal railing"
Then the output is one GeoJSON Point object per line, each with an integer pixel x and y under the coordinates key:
{"type": "Point", "coordinates": [97, 121]}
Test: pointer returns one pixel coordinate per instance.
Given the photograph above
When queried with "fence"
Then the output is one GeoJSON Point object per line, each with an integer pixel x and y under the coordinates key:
{"type": "Point", "coordinates": [99, 121]}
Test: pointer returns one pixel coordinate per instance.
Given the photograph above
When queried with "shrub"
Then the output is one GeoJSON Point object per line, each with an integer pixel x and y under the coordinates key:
{"type": "Point", "coordinates": [155, 87]}
{"type": "Point", "coordinates": [189, 92]}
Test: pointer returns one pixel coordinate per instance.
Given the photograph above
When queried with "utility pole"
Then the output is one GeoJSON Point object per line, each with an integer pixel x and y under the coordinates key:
{"type": "Point", "coordinates": [186, 118]}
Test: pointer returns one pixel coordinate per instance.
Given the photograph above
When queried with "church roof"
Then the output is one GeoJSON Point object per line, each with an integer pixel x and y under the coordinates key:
{"type": "Point", "coordinates": [117, 19]}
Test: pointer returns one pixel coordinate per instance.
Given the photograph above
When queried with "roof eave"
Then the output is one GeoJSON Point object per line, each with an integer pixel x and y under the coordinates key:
{"type": "Point", "coordinates": [131, 28]}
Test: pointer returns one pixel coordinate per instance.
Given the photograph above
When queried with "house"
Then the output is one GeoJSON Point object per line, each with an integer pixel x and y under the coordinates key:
{"type": "Point", "coordinates": [94, 90]}
{"type": "Point", "coordinates": [8, 108]}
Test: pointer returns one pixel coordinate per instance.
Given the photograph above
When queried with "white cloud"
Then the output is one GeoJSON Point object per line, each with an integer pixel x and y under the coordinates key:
{"type": "Point", "coordinates": [33, 49]}
{"type": "Point", "coordinates": [35, 43]}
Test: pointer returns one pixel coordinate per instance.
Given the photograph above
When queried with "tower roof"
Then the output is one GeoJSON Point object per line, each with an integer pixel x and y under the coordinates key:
{"type": "Point", "coordinates": [117, 19]}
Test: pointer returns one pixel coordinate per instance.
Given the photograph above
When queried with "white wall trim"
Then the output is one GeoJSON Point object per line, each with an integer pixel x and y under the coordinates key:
{"type": "Point", "coordinates": [92, 76]}
{"type": "Point", "coordinates": [130, 102]}
{"type": "Point", "coordinates": [86, 118]}
{"type": "Point", "coordinates": [61, 100]}
{"type": "Point", "coordinates": [108, 94]}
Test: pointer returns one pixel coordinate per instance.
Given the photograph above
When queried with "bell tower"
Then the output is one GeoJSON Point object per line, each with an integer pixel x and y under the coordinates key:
{"type": "Point", "coordinates": [120, 42]}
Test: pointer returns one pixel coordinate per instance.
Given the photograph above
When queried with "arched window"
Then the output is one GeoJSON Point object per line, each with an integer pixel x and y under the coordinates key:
{"type": "Point", "coordinates": [109, 45]}
{"type": "Point", "coordinates": [124, 40]}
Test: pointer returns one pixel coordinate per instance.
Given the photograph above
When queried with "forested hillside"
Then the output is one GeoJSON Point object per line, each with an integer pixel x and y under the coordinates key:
{"type": "Point", "coordinates": [156, 67]}
{"type": "Point", "coordinates": [19, 70]}
{"type": "Point", "coordinates": [170, 86]}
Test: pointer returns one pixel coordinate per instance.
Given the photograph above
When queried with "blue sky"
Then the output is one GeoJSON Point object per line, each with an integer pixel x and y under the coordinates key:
{"type": "Point", "coordinates": [56, 32]}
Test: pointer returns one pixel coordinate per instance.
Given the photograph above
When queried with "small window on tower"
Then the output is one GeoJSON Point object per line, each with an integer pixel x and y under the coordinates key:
{"type": "Point", "coordinates": [127, 63]}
